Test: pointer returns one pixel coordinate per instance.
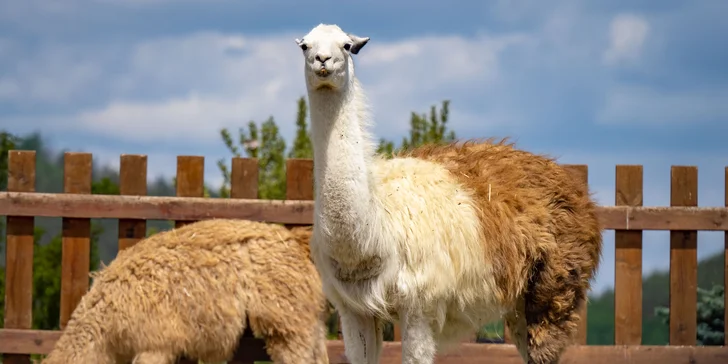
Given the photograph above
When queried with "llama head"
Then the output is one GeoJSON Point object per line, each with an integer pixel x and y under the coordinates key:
{"type": "Point", "coordinates": [327, 52]}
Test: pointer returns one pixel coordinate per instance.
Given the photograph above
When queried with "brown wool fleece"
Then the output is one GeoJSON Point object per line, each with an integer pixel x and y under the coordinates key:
{"type": "Point", "coordinates": [189, 291]}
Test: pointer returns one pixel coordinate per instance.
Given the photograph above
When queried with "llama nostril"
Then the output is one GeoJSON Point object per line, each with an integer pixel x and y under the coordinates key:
{"type": "Point", "coordinates": [322, 59]}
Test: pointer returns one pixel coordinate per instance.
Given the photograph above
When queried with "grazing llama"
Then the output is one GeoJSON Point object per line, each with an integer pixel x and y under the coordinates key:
{"type": "Point", "coordinates": [442, 238]}
{"type": "Point", "coordinates": [188, 291]}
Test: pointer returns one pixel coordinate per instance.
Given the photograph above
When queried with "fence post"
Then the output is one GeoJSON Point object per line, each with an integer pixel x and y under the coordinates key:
{"type": "Point", "coordinates": [582, 174]}
{"type": "Point", "coordinates": [243, 184]}
{"type": "Point", "coordinates": [19, 252]}
{"type": "Point", "coordinates": [132, 181]}
{"type": "Point", "coordinates": [190, 179]}
{"type": "Point", "coordinates": [190, 183]}
{"type": "Point", "coordinates": [683, 261]}
{"type": "Point", "coordinates": [628, 261]}
{"type": "Point", "coordinates": [76, 236]}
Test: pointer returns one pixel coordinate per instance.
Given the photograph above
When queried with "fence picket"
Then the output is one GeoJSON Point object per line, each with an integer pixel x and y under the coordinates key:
{"type": "Point", "coordinates": [190, 180]}
{"type": "Point", "coordinates": [244, 178]}
{"type": "Point", "coordinates": [628, 262]}
{"type": "Point", "coordinates": [132, 181]}
{"type": "Point", "coordinates": [190, 183]}
{"type": "Point", "coordinates": [683, 261]}
{"type": "Point", "coordinates": [244, 184]}
{"type": "Point", "coordinates": [19, 252]}
{"type": "Point", "coordinates": [76, 236]}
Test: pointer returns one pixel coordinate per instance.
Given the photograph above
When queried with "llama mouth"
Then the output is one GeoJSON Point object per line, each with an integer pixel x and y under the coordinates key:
{"type": "Point", "coordinates": [323, 72]}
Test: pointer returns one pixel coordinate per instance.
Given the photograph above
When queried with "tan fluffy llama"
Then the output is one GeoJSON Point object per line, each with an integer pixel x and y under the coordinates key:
{"type": "Point", "coordinates": [188, 291]}
{"type": "Point", "coordinates": [443, 238]}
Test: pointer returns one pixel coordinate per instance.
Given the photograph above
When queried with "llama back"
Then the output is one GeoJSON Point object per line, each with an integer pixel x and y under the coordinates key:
{"type": "Point", "coordinates": [199, 279]}
{"type": "Point", "coordinates": [536, 205]}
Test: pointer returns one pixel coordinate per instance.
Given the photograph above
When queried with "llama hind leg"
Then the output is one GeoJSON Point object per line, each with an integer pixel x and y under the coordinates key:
{"type": "Point", "coordinates": [418, 342]}
{"type": "Point", "coordinates": [363, 336]}
{"type": "Point", "coordinates": [550, 312]}
{"type": "Point", "coordinates": [518, 327]}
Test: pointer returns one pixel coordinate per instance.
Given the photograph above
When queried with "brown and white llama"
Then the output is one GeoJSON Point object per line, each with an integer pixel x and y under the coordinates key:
{"type": "Point", "coordinates": [443, 238]}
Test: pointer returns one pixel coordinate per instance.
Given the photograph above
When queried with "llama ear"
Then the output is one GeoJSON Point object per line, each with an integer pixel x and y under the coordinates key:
{"type": "Point", "coordinates": [357, 43]}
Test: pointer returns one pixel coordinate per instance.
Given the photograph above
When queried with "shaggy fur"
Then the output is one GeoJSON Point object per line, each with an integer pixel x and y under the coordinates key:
{"type": "Point", "coordinates": [444, 238]}
{"type": "Point", "coordinates": [188, 291]}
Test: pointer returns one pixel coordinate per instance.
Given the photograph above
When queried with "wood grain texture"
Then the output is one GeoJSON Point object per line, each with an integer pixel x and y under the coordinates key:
{"type": "Point", "coordinates": [132, 182]}
{"type": "Point", "coordinates": [628, 262]}
{"type": "Point", "coordinates": [683, 261]}
{"type": "Point", "coordinates": [76, 236]}
{"type": "Point", "coordinates": [190, 180]}
{"type": "Point", "coordinates": [190, 183]}
{"type": "Point", "coordinates": [41, 342]}
{"type": "Point", "coordinates": [301, 212]}
{"type": "Point", "coordinates": [244, 178]}
{"type": "Point", "coordinates": [19, 252]}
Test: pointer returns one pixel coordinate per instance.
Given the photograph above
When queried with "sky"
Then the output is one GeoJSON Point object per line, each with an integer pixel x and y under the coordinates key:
{"type": "Point", "coordinates": [598, 82]}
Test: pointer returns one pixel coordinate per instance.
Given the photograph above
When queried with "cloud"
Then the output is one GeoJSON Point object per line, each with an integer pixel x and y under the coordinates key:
{"type": "Point", "coordinates": [627, 34]}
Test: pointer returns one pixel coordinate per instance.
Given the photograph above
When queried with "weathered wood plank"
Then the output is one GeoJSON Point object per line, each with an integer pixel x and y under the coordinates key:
{"type": "Point", "coordinates": [628, 262]}
{"type": "Point", "coordinates": [41, 342]}
{"type": "Point", "coordinates": [75, 236]}
{"type": "Point", "coordinates": [132, 181]}
{"type": "Point", "coordinates": [301, 212]}
{"type": "Point", "coordinates": [683, 261]}
{"type": "Point", "coordinates": [19, 252]}
{"type": "Point", "coordinates": [190, 183]}
{"type": "Point", "coordinates": [244, 178]}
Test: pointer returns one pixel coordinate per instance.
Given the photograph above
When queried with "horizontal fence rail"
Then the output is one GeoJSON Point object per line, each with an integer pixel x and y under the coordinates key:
{"type": "Point", "coordinates": [301, 212]}
{"type": "Point", "coordinates": [76, 206]}
{"type": "Point", "coordinates": [24, 341]}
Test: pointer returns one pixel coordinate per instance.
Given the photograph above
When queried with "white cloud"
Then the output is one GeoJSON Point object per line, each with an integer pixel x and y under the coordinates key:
{"type": "Point", "coordinates": [627, 35]}
{"type": "Point", "coordinates": [191, 86]}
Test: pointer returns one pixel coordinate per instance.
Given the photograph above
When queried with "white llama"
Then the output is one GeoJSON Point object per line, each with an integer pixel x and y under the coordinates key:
{"type": "Point", "coordinates": [442, 238]}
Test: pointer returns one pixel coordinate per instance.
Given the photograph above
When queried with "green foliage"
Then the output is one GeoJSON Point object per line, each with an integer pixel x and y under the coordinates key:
{"type": "Point", "coordinates": [424, 129]}
{"type": "Point", "coordinates": [302, 145]}
{"type": "Point", "coordinates": [7, 143]}
{"type": "Point", "coordinates": [711, 327]}
{"type": "Point", "coordinates": [267, 145]}
{"type": "Point", "coordinates": [47, 267]}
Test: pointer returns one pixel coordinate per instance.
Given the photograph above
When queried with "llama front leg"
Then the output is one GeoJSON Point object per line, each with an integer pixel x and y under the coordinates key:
{"type": "Point", "coordinates": [418, 342]}
{"type": "Point", "coordinates": [363, 336]}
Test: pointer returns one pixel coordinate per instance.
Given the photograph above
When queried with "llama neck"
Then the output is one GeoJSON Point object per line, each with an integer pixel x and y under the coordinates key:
{"type": "Point", "coordinates": [343, 150]}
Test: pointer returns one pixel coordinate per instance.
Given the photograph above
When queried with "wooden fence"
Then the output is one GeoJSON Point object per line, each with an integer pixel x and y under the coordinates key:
{"type": "Point", "coordinates": [77, 206]}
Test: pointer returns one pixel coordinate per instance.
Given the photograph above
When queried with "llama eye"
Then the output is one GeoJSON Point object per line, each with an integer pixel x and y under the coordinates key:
{"type": "Point", "coordinates": [347, 46]}
{"type": "Point", "coordinates": [304, 47]}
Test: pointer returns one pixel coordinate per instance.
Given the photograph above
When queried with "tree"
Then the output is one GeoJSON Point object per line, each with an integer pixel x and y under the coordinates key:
{"type": "Point", "coordinates": [424, 129]}
{"type": "Point", "coordinates": [7, 143]}
{"type": "Point", "coordinates": [268, 146]}
{"type": "Point", "coordinates": [711, 327]}
{"type": "Point", "coordinates": [302, 145]}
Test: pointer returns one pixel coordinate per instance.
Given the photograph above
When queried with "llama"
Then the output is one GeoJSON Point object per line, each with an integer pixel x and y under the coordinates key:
{"type": "Point", "coordinates": [189, 291]}
{"type": "Point", "coordinates": [443, 238]}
